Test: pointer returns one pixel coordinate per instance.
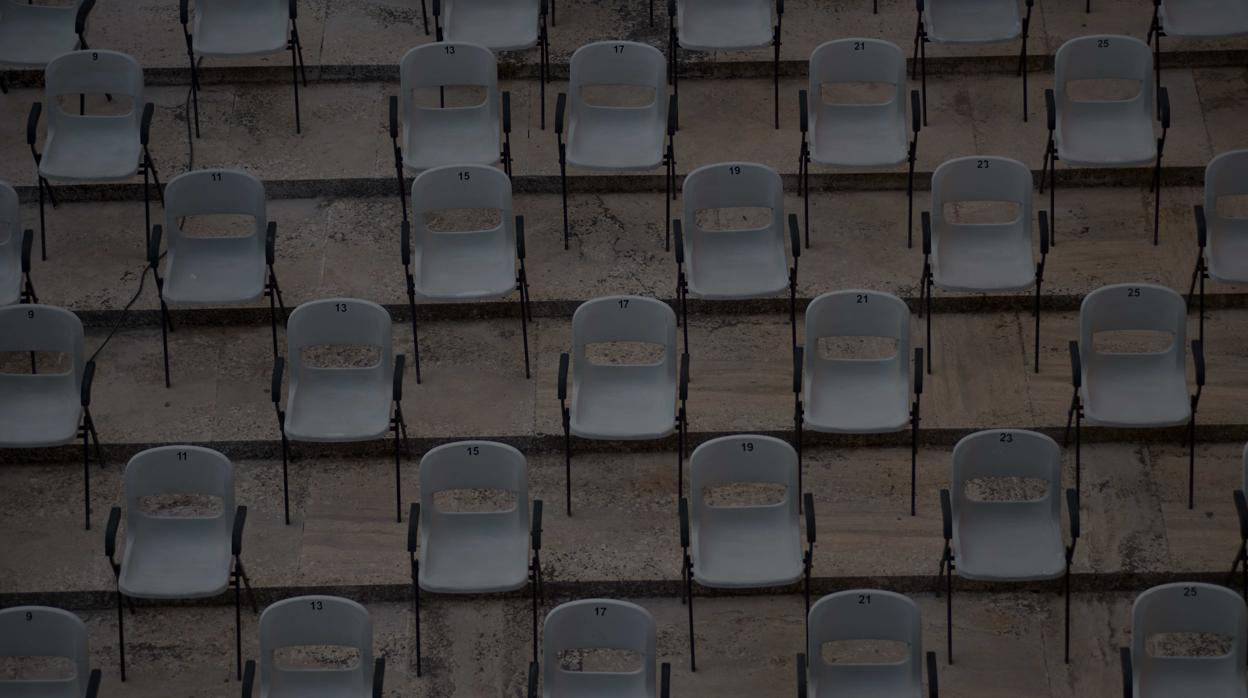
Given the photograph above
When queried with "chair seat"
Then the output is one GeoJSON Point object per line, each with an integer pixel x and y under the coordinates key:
{"type": "Point", "coordinates": [973, 21]}
{"type": "Point", "coordinates": [176, 558]}
{"type": "Point", "coordinates": [636, 403]}
{"type": "Point", "coordinates": [32, 35]}
{"type": "Point", "coordinates": [338, 405]}
{"type": "Point", "coordinates": [92, 149]}
{"type": "Point", "coordinates": [1134, 390]}
{"type": "Point", "coordinates": [865, 681]}
{"type": "Point", "coordinates": [1204, 18]}
{"type": "Point", "coordinates": [747, 547]}
{"type": "Point", "coordinates": [856, 397]}
{"type": "Point", "coordinates": [984, 258]}
{"type": "Point", "coordinates": [246, 28]}
{"type": "Point", "coordinates": [316, 683]}
{"type": "Point", "coordinates": [1021, 544]}
{"type": "Point", "coordinates": [475, 553]}
{"type": "Point", "coordinates": [1102, 134]}
{"type": "Point", "coordinates": [737, 264]}
{"type": "Point", "coordinates": [214, 270]}
{"type": "Point", "coordinates": [607, 138]}
{"type": "Point", "coordinates": [1187, 679]}
{"type": "Point", "coordinates": [38, 410]}
{"type": "Point", "coordinates": [465, 266]}
{"type": "Point", "coordinates": [1227, 254]}
{"type": "Point", "coordinates": [724, 24]}
{"type": "Point", "coordinates": [858, 135]}
{"type": "Point", "coordinates": [451, 136]}
{"type": "Point", "coordinates": [499, 25]}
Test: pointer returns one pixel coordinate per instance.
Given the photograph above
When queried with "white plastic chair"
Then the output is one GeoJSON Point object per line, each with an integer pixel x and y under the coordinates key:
{"type": "Point", "coordinates": [741, 262]}
{"type": "Point", "coordinates": [32, 35]}
{"type": "Point", "coordinates": [1222, 241]}
{"type": "Point", "coordinates": [81, 148]}
{"type": "Point", "coordinates": [1186, 607]}
{"type": "Point", "coordinates": [39, 631]}
{"type": "Point", "coordinates": [1104, 132]}
{"type": "Point", "coordinates": [464, 265]}
{"type": "Point", "coordinates": [604, 137]}
{"type": "Point", "coordinates": [15, 244]}
{"type": "Point", "coordinates": [852, 395]}
{"type": "Point", "coordinates": [744, 546]}
{"type": "Point", "coordinates": [305, 621]}
{"type": "Point", "coordinates": [978, 257]}
{"type": "Point", "coordinates": [231, 29]}
{"type": "Point", "coordinates": [970, 22]}
{"type": "Point", "coordinates": [1006, 540]}
{"type": "Point", "coordinates": [865, 615]}
{"type": "Point", "coordinates": [1134, 390]}
{"type": "Point", "coordinates": [1241, 510]}
{"type": "Point", "coordinates": [339, 404]}
{"type": "Point", "coordinates": [499, 25]}
{"type": "Point", "coordinates": [440, 136]}
{"type": "Point", "coordinates": [48, 409]}
{"type": "Point", "coordinates": [851, 134]}
{"type": "Point", "coordinates": [600, 624]}
{"type": "Point", "coordinates": [474, 552]}
{"type": "Point", "coordinates": [214, 270]}
{"type": "Point", "coordinates": [1194, 19]}
{"type": "Point", "coordinates": [168, 556]}
{"type": "Point", "coordinates": [623, 402]}
{"type": "Point", "coordinates": [723, 25]}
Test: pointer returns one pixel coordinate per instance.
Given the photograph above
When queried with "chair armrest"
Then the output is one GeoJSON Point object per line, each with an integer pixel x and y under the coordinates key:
{"type": "Point", "coordinates": [88, 377]}
{"type": "Point", "coordinates": [400, 361]}
{"type": "Point", "coordinates": [678, 230]}
{"type": "Point", "coordinates": [153, 245]}
{"type": "Point", "coordinates": [1128, 673]}
{"type": "Point", "coordinates": [810, 517]}
{"type": "Point", "coordinates": [533, 670]}
{"type": "Point", "coordinates": [32, 123]}
{"type": "Point", "coordinates": [1072, 510]}
{"type": "Point", "coordinates": [249, 677]}
{"type": "Point", "coordinates": [379, 677]}
{"type": "Point", "coordinates": [506, 111]}
{"type": "Point", "coordinates": [279, 367]}
{"type": "Point", "coordinates": [933, 680]}
{"type": "Point", "coordinates": [561, 106]}
{"type": "Point", "coordinates": [145, 126]}
{"type": "Point", "coordinates": [1050, 108]}
{"type": "Point", "coordinates": [946, 514]}
{"type": "Point", "coordinates": [184, 12]}
{"type": "Point", "coordinates": [918, 6]}
{"type": "Point", "coordinates": [803, 105]}
{"type": "Point", "coordinates": [405, 243]}
{"type": "Point", "coordinates": [437, 8]}
{"type": "Point", "coordinates": [671, 8]}
{"type": "Point", "coordinates": [798, 360]}
{"type": "Point", "coordinates": [93, 684]}
{"type": "Point", "coordinates": [394, 117]}
{"type": "Point", "coordinates": [795, 238]}
{"type": "Point", "coordinates": [779, 7]}
{"type": "Point", "coordinates": [80, 19]}
{"type": "Point", "coordinates": [1164, 98]}
{"type": "Point", "coordinates": [563, 376]}
{"type": "Point", "coordinates": [28, 242]}
{"type": "Point", "coordinates": [1198, 358]}
{"type": "Point", "coordinates": [918, 370]}
{"type": "Point", "coordinates": [240, 521]}
{"type": "Point", "coordinates": [536, 534]}
{"type": "Point", "coordinates": [413, 528]}
{"type": "Point", "coordinates": [519, 237]}
{"type": "Point", "coordinates": [1202, 232]}
{"type": "Point", "coordinates": [270, 243]}
{"type": "Point", "coordinates": [1241, 508]}
{"type": "Point", "coordinates": [665, 680]}
{"type": "Point", "coordinates": [294, 9]}
{"type": "Point", "coordinates": [110, 532]}
{"type": "Point", "coordinates": [926, 219]}
{"type": "Point", "coordinates": [673, 111]}
{"type": "Point", "coordinates": [1076, 365]}
{"type": "Point", "coordinates": [802, 691]}
{"type": "Point", "coordinates": [683, 513]}
{"type": "Point", "coordinates": [916, 111]}
{"type": "Point", "coordinates": [1043, 216]}
{"type": "Point", "coordinates": [684, 379]}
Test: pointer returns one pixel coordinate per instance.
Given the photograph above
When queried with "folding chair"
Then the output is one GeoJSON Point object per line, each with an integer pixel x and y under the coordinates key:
{"type": "Point", "coordinates": [305, 621]}
{"type": "Point", "coordinates": [857, 135]}
{"type": "Point", "coordinates": [215, 270]}
{"type": "Point", "coordinates": [1006, 540]}
{"type": "Point", "coordinates": [39, 631]}
{"type": "Point", "coordinates": [82, 148]}
{"type": "Point", "coordinates": [1180, 608]}
{"type": "Point", "coordinates": [1241, 511]}
{"type": "Point", "coordinates": [439, 136]}
{"type": "Point", "coordinates": [499, 25]}
{"type": "Point", "coordinates": [48, 409]}
{"type": "Point", "coordinates": [32, 35]}
{"type": "Point", "coordinates": [474, 552]}
{"type": "Point", "coordinates": [1104, 132]}
{"type": "Point", "coordinates": [980, 257]}
{"type": "Point", "coordinates": [1140, 389]}
{"type": "Point", "coordinates": [623, 401]}
{"type": "Point", "coordinates": [464, 264]}
{"type": "Point", "coordinates": [604, 624]}
{"type": "Point", "coordinates": [845, 395]}
{"type": "Point", "coordinates": [604, 137]}
{"type": "Point", "coordinates": [231, 29]}
{"type": "Point", "coordinates": [744, 546]}
{"type": "Point", "coordinates": [1222, 240]}
{"type": "Point", "coordinates": [340, 404]}
{"type": "Point", "coordinates": [714, 25]}
{"type": "Point", "coordinates": [1194, 19]}
{"type": "Point", "coordinates": [967, 23]}
{"type": "Point", "coordinates": [864, 615]}
{"type": "Point", "coordinates": [15, 284]}
{"type": "Point", "coordinates": [735, 263]}
{"type": "Point", "coordinates": [169, 554]}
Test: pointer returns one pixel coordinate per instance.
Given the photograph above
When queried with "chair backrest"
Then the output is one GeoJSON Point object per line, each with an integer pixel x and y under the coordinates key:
{"type": "Point", "coordinates": [10, 228]}
{"type": "Point", "coordinates": [731, 185]}
{"type": "Point", "coordinates": [179, 470]}
{"type": "Point", "coordinates": [339, 322]}
{"type": "Point", "coordinates": [214, 192]}
{"type": "Point", "coordinates": [1104, 57]}
{"type": "Point", "coordinates": [48, 328]}
{"type": "Point", "coordinates": [857, 313]}
{"type": "Point", "coordinates": [93, 72]}
{"type": "Point", "coordinates": [447, 64]}
{"type": "Point", "coordinates": [314, 620]}
{"type": "Point", "coordinates": [484, 465]}
{"type": "Point", "coordinates": [617, 63]}
{"type": "Point", "coordinates": [598, 624]}
{"type": "Point", "coordinates": [983, 178]}
{"type": "Point", "coordinates": [1188, 607]}
{"type": "Point", "coordinates": [1225, 175]}
{"type": "Point", "coordinates": [622, 319]}
{"type": "Point", "coordinates": [1141, 307]}
{"type": "Point", "coordinates": [857, 61]}
{"type": "Point", "coordinates": [462, 187]}
{"type": "Point", "coordinates": [742, 458]}
{"type": "Point", "coordinates": [863, 615]}
{"type": "Point", "coordinates": [39, 631]}
{"type": "Point", "coordinates": [1006, 453]}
